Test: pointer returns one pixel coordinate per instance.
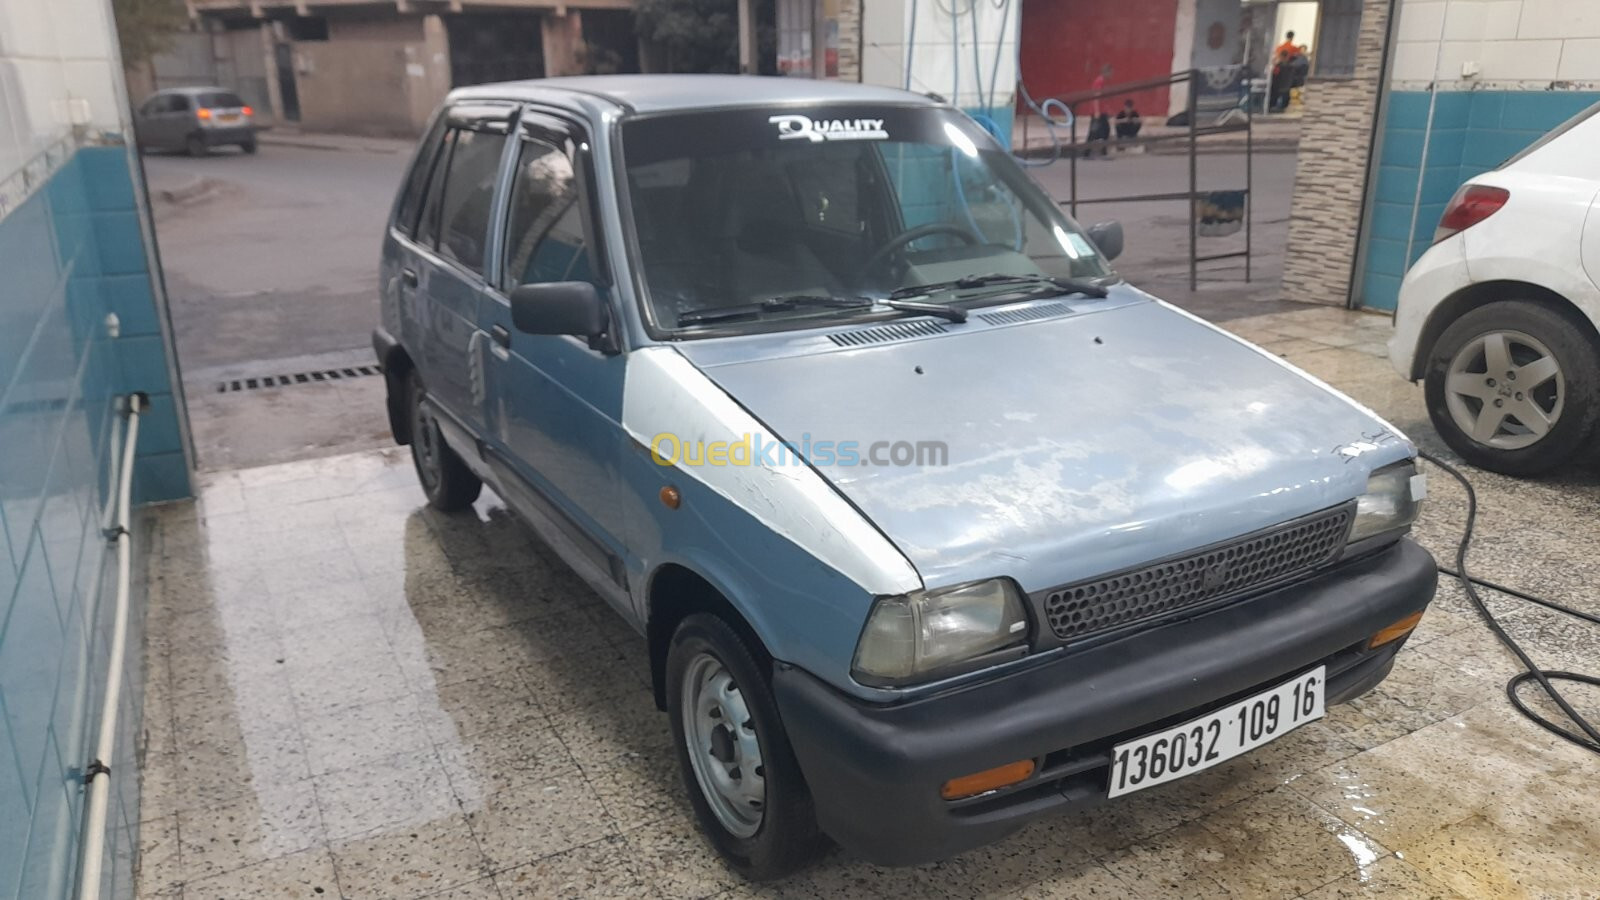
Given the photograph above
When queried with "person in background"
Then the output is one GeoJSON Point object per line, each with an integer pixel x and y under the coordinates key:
{"type": "Point", "coordinates": [1282, 72]}
{"type": "Point", "coordinates": [1099, 84]}
{"type": "Point", "coordinates": [1128, 122]}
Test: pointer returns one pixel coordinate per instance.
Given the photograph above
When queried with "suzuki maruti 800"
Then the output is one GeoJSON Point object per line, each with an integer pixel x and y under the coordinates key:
{"type": "Point", "coordinates": [932, 523]}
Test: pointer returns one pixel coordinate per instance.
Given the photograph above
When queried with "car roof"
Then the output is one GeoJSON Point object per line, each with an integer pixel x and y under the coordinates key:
{"type": "Point", "coordinates": [664, 93]}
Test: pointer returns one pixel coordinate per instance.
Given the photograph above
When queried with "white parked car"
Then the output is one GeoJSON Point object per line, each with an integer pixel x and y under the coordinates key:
{"type": "Point", "coordinates": [1501, 317]}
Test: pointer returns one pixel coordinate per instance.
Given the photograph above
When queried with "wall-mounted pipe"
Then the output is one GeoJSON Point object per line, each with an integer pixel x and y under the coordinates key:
{"type": "Point", "coordinates": [98, 776]}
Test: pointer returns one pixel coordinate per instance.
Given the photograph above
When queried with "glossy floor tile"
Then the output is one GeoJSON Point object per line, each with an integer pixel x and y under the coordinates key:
{"type": "Point", "coordinates": [353, 696]}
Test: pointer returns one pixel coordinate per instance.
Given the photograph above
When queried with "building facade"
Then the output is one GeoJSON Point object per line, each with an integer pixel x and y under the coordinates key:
{"type": "Point", "coordinates": [382, 66]}
{"type": "Point", "coordinates": [82, 324]}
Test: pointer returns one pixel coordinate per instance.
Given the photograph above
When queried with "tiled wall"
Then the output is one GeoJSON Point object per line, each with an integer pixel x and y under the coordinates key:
{"type": "Point", "coordinates": [71, 252]}
{"type": "Point", "coordinates": [1471, 83]}
{"type": "Point", "coordinates": [1472, 132]}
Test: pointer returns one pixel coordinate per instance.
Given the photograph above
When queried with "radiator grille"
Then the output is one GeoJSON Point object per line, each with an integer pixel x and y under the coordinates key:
{"type": "Point", "coordinates": [1246, 564]}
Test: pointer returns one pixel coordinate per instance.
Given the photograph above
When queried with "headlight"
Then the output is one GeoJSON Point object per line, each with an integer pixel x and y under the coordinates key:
{"type": "Point", "coordinates": [926, 633]}
{"type": "Point", "coordinates": [1393, 498]}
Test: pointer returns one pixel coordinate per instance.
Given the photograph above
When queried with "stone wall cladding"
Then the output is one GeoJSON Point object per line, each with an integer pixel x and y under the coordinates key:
{"type": "Point", "coordinates": [849, 40]}
{"type": "Point", "coordinates": [1331, 176]}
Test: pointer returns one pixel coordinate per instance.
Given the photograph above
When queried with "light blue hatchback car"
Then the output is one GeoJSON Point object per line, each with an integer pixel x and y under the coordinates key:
{"type": "Point", "coordinates": [932, 523]}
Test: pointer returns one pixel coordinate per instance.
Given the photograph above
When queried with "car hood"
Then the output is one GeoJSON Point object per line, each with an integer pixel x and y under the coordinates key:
{"type": "Point", "coordinates": [1075, 446]}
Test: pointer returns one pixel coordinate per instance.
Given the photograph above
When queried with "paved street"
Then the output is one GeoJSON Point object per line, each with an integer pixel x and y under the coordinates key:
{"type": "Point", "coordinates": [271, 271]}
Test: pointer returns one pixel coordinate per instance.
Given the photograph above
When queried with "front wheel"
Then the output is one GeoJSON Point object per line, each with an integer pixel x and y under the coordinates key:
{"type": "Point", "coordinates": [446, 480]}
{"type": "Point", "coordinates": [742, 777]}
{"type": "Point", "coordinates": [1514, 387]}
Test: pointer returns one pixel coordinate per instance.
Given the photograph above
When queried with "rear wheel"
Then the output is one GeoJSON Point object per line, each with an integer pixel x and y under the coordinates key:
{"type": "Point", "coordinates": [248, 146]}
{"type": "Point", "coordinates": [195, 145]}
{"type": "Point", "coordinates": [1514, 387]}
{"type": "Point", "coordinates": [742, 777]}
{"type": "Point", "coordinates": [445, 479]}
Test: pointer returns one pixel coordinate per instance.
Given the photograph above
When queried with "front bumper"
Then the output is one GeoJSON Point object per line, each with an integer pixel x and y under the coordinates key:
{"type": "Point", "coordinates": [875, 771]}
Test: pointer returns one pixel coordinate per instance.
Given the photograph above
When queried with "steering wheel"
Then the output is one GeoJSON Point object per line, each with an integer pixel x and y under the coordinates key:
{"type": "Point", "coordinates": [899, 241]}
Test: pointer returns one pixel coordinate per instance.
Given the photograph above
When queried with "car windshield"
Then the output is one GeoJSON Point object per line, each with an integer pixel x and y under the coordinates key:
{"type": "Point", "coordinates": [757, 218]}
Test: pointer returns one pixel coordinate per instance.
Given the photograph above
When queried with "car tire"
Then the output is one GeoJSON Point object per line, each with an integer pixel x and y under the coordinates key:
{"type": "Point", "coordinates": [445, 479]}
{"type": "Point", "coordinates": [1476, 411]}
{"type": "Point", "coordinates": [783, 836]}
{"type": "Point", "coordinates": [195, 145]}
{"type": "Point", "coordinates": [248, 146]}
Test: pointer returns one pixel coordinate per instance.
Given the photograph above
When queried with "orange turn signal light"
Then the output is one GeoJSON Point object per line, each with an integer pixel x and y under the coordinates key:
{"type": "Point", "coordinates": [987, 780]}
{"type": "Point", "coordinates": [1396, 631]}
{"type": "Point", "coordinates": [203, 113]}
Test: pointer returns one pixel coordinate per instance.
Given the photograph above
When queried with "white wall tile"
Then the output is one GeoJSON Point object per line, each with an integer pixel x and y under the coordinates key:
{"type": "Point", "coordinates": [1463, 20]}
{"type": "Point", "coordinates": [80, 28]}
{"type": "Point", "coordinates": [1414, 61]}
{"type": "Point", "coordinates": [1525, 60]}
{"type": "Point", "coordinates": [1560, 19]}
{"type": "Point", "coordinates": [26, 29]}
{"type": "Point", "coordinates": [1501, 17]}
{"type": "Point", "coordinates": [1454, 54]}
{"type": "Point", "coordinates": [1421, 20]}
{"type": "Point", "coordinates": [1580, 60]}
{"type": "Point", "coordinates": [91, 80]}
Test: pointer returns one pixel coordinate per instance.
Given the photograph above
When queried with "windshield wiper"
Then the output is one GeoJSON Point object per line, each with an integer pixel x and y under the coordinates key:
{"type": "Point", "coordinates": [782, 303]}
{"type": "Point", "coordinates": [968, 282]}
{"type": "Point", "coordinates": [787, 302]}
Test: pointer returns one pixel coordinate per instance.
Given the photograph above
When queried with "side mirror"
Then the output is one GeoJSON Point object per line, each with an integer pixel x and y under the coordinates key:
{"type": "Point", "coordinates": [560, 307]}
{"type": "Point", "coordinates": [1108, 237]}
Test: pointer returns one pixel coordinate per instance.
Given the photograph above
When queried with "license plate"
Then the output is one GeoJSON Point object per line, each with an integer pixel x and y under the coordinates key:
{"type": "Point", "coordinates": [1202, 743]}
{"type": "Point", "coordinates": [229, 118]}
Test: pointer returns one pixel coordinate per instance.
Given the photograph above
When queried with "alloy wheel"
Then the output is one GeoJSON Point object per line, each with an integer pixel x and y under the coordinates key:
{"type": "Point", "coordinates": [1504, 389]}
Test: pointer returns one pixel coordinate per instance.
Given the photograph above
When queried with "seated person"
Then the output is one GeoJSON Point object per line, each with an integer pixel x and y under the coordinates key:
{"type": "Point", "coordinates": [1128, 122]}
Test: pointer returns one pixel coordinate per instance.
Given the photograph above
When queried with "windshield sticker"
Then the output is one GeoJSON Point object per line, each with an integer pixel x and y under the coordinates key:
{"type": "Point", "coordinates": [793, 127]}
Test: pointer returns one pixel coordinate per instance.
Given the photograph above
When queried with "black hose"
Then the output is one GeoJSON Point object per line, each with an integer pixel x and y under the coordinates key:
{"type": "Point", "coordinates": [1590, 738]}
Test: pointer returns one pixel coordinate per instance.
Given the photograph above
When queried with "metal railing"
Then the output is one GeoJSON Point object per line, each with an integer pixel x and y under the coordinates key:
{"type": "Point", "coordinates": [1226, 121]}
{"type": "Point", "coordinates": [97, 775]}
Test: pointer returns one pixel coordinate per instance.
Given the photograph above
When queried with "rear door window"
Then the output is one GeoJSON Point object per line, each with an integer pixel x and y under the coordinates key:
{"type": "Point", "coordinates": [405, 217]}
{"type": "Point", "coordinates": [468, 195]}
{"type": "Point", "coordinates": [428, 221]}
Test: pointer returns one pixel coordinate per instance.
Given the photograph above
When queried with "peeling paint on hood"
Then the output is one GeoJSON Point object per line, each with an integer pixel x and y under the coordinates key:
{"type": "Point", "coordinates": [1076, 446]}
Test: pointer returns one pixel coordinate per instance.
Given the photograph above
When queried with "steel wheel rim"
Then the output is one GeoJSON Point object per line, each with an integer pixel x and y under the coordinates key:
{"type": "Point", "coordinates": [724, 749]}
{"type": "Point", "coordinates": [1504, 389]}
{"type": "Point", "coordinates": [425, 446]}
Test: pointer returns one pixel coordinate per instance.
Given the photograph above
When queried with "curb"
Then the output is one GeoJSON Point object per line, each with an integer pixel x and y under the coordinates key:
{"type": "Point", "coordinates": [314, 144]}
{"type": "Point", "coordinates": [1262, 145]}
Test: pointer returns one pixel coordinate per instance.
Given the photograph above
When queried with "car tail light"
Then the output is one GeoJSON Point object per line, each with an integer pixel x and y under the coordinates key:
{"type": "Point", "coordinates": [1471, 205]}
{"type": "Point", "coordinates": [203, 113]}
{"type": "Point", "coordinates": [247, 111]}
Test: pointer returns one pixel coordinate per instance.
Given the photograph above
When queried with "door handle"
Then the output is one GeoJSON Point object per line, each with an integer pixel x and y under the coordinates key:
{"type": "Point", "coordinates": [501, 336]}
{"type": "Point", "coordinates": [408, 277]}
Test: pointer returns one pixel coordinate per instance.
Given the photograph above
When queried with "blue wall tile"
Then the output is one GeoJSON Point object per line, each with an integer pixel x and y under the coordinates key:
{"type": "Point", "coordinates": [69, 254]}
{"type": "Point", "coordinates": [1472, 132]}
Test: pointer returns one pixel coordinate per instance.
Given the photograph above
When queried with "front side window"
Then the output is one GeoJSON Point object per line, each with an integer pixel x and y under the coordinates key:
{"type": "Point", "coordinates": [544, 229]}
{"type": "Point", "coordinates": [741, 208]}
{"type": "Point", "coordinates": [468, 195]}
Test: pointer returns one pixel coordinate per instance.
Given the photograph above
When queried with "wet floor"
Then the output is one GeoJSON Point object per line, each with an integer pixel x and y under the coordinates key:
{"type": "Point", "coordinates": [353, 696]}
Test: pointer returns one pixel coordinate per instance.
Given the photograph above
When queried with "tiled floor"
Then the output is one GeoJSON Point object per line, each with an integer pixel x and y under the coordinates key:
{"type": "Point", "coordinates": [352, 696]}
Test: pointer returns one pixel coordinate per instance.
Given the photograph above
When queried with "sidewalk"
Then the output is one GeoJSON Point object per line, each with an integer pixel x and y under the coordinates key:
{"type": "Point", "coordinates": [293, 136]}
{"type": "Point", "coordinates": [1030, 137]}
